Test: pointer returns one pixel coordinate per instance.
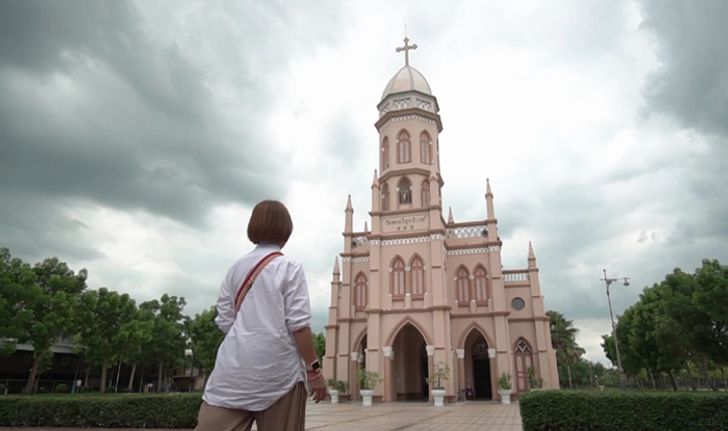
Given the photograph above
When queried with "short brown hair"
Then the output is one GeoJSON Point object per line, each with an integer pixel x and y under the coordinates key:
{"type": "Point", "coordinates": [270, 223]}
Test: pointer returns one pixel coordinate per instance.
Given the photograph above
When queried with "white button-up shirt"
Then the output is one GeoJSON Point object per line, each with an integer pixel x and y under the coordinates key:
{"type": "Point", "coordinates": [258, 361]}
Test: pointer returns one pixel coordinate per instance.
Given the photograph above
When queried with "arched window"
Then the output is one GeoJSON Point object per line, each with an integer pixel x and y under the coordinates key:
{"type": "Point", "coordinates": [398, 289]}
{"type": "Point", "coordinates": [462, 286]}
{"type": "Point", "coordinates": [360, 292]}
{"type": "Point", "coordinates": [524, 359]}
{"type": "Point", "coordinates": [425, 193]}
{"type": "Point", "coordinates": [418, 277]}
{"type": "Point", "coordinates": [385, 155]}
{"type": "Point", "coordinates": [481, 285]}
{"type": "Point", "coordinates": [425, 148]}
{"type": "Point", "coordinates": [404, 147]}
{"type": "Point", "coordinates": [385, 197]}
{"type": "Point", "coordinates": [404, 191]}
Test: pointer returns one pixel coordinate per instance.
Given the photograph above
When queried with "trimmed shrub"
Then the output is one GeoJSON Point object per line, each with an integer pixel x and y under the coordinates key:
{"type": "Point", "coordinates": [61, 388]}
{"type": "Point", "coordinates": [104, 411]}
{"type": "Point", "coordinates": [624, 410]}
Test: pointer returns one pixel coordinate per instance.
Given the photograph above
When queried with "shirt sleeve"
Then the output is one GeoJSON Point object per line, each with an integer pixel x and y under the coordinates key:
{"type": "Point", "coordinates": [295, 296]}
{"type": "Point", "coordinates": [225, 305]}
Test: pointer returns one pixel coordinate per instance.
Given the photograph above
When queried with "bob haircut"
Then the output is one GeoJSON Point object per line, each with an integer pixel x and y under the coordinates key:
{"type": "Point", "coordinates": [270, 223]}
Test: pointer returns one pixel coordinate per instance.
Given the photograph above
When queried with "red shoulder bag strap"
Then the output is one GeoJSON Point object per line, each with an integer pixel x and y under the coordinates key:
{"type": "Point", "coordinates": [250, 278]}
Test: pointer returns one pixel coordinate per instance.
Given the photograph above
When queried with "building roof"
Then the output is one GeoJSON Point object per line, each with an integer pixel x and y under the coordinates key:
{"type": "Point", "coordinates": [407, 79]}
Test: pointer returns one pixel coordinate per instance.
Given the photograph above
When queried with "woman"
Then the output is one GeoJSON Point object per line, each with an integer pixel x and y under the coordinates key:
{"type": "Point", "coordinates": [267, 354]}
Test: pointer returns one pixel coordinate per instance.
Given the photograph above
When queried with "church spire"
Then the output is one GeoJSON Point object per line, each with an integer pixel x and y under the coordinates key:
{"type": "Point", "coordinates": [349, 225]}
{"type": "Point", "coordinates": [531, 256]}
{"type": "Point", "coordinates": [449, 217]}
{"type": "Point", "coordinates": [336, 270]}
{"type": "Point", "coordinates": [489, 200]}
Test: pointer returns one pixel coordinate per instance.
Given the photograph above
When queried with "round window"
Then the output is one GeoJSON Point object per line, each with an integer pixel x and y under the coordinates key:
{"type": "Point", "coordinates": [518, 303]}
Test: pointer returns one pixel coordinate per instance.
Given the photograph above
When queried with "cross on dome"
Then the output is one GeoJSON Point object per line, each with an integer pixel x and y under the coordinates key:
{"type": "Point", "coordinates": [406, 49]}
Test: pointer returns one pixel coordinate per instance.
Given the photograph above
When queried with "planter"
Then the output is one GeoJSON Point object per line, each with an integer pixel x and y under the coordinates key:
{"type": "Point", "coordinates": [366, 397]}
{"type": "Point", "coordinates": [439, 396]}
{"type": "Point", "coordinates": [505, 396]}
{"type": "Point", "coordinates": [334, 393]}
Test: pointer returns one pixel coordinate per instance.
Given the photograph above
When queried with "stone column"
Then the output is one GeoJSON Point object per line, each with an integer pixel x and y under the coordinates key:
{"type": "Point", "coordinates": [354, 381]}
{"type": "Point", "coordinates": [493, 373]}
{"type": "Point", "coordinates": [388, 354]}
{"type": "Point", "coordinates": [460, 353]}
{"type": "Point", "coordinates": [430, 366]}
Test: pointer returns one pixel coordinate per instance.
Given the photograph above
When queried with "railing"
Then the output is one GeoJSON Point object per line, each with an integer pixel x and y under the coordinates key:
{"type": "Point", "coordinates": [359, 241]}
{"type": "Point", "coordinates": [467, 231]}
{"type": "Point", "coordinates": [515, 275]}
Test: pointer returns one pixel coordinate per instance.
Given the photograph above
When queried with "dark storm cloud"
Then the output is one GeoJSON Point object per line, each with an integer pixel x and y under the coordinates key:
{"type": "Point", "coordinates": [690, 86]}
{"type": "Point", "coordinates": [94, 108]}
{"type": "Point", "coordinates": [691, 83]}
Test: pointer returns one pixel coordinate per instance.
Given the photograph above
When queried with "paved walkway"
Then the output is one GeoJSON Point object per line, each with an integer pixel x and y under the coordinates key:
{"type": "Point", "coordinates": [487, 416]}
{"type": "Point", "coordinates": [468, 416]}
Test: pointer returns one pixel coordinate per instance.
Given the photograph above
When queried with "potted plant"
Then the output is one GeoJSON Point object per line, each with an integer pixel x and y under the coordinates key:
{"type": "Point", "coordinates": [439, 376]}
{"type": "Point", "coordinates": [368, 381]}
{"type": "Point", "coordinates": [336, 387]}
{"type": "Point", "coordinates": [504, 388]}
{"type": "Point", "coordinates": [534, 382]}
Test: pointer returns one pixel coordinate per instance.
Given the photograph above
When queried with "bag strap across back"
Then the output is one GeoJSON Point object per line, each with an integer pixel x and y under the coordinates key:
{"type": "Point", "coordinates": [250, 278]}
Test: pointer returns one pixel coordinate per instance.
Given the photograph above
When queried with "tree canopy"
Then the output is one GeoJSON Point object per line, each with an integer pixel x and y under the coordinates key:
{"type": "Point", "coordinates": [677, 325]}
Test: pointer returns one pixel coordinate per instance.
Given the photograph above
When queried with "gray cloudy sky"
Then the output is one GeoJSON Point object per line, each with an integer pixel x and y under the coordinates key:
{"type": "Point", "coordinates": [135, 136]}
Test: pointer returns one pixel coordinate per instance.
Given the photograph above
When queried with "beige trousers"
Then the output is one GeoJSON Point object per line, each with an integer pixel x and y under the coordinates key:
{"type": "Point", "coordinates": [286, 414]}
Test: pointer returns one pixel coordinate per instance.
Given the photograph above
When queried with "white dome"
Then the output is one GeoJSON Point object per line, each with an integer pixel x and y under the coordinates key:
{"type": "Point", "coordinates": [407, 79]}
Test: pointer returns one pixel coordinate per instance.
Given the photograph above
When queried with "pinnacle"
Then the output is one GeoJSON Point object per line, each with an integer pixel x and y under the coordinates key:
{"type": "Point", "coordinates": [531, 255]}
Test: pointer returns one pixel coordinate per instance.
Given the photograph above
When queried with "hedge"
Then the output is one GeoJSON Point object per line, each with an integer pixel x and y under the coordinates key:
{"type": "Point", "coordinates": [108, 411]}
{"type": "Point", "coordinates": [624, 410]}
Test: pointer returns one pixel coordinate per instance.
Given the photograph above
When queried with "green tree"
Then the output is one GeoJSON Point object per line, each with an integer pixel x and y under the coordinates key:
{"type": "Point", "coordinates": [678, 326]}
{"type": "Point", "coordinates": [205, 338]}
{"type": "Point", "coordinates": [563, 339]}
{"type": "Point", "coordinates": [711, 299]}
{"type": "Point", "coordinates": [659, 340]}
{"type": "Point", "coordinates": [16, 281]}
{"type": "Point", "coordinates": [101, 340]}
{"type": "Point", "coordinates": [681, 294]}
{"type": "Point", "coordinates": [319, 343]}
{"type": "Point", "coordinates": [133, 337]}
{"type": "Point", "coordinates": [168, 345]}
{"type": "Point", "coordinates": [50, 302]}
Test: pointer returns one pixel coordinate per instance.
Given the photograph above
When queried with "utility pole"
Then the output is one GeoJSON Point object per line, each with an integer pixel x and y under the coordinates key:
{"type": "Point", "coordinates": [608, 281]}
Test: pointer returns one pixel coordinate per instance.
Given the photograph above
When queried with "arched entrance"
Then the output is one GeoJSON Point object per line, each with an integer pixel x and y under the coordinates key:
{"type": "Point", "coordinates": [478, 379]}
{"type": "Point", "coordinates": [409, 366]}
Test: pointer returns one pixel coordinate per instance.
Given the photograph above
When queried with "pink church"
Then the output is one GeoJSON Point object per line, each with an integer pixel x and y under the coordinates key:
{"type": "Point", "coordinates": [417, 291]}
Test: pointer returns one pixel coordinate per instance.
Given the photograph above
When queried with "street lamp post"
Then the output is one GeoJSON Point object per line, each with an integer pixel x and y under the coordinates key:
{"type": "Point", "coordinates": [608, 281]}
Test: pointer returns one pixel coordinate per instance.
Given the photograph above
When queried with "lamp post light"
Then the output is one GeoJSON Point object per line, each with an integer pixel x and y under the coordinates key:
{"type": "Point", "coordinates": [608, 281]}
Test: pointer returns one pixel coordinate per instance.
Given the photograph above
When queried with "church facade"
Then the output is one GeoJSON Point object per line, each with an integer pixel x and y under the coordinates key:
{"type": "Point", "coordinates": [416, 292]}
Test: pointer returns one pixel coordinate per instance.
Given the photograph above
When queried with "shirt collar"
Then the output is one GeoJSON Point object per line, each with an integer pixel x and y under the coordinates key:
{"type": "Point", "coordinates": [267, 246]}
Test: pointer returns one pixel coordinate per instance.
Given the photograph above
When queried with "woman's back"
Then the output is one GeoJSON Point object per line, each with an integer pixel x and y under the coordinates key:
{"type": "Point", "coordinates": [258, 361]}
